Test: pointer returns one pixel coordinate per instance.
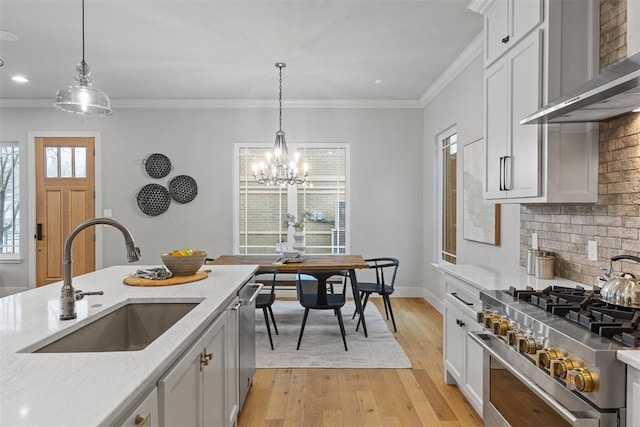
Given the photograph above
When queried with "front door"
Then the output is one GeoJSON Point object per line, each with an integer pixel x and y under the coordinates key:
{"type": "Point", "coordinates": [65, 197]}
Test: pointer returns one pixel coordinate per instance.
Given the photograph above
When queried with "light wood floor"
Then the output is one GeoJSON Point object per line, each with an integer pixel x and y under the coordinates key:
{"type": "Point", "coordinates": [367, 397]}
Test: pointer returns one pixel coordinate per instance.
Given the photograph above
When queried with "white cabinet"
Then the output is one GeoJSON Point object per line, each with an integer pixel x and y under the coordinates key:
{"type": "Point", "coordinates": [146, 414]}
{"type": "Point", "coordinates": [233, 365]}
{"type": "Point", "coordinates": [551, 50]}
{"type": "Point", "coordinates": [511, 89]}
{"type": "Point", "coordinates": [462, 356]}
{"type": "Point", "coordinates": [633, 397]}
{"type": "Point", "coordinates": [506, 22]}
{"type": "Point", "coordinates": [201, 389]}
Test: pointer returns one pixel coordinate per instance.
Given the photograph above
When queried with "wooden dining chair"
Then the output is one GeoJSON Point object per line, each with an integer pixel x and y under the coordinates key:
{"type": "Point", "coordinates": [313, 295]}
{"type": "Point", "coordinates": [386, 269]}
{"type": "Point", "coordinates": [265, 300]}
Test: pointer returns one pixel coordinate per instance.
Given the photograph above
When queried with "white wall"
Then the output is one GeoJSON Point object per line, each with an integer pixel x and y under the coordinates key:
{"type": "Point", "coordinates": [460, 103]}
{"type": "Point", "coordinates": [386, 185]}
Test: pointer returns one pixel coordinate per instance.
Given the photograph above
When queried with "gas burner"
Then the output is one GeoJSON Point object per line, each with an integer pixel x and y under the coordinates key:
{"type": "Point", "coordinates": [585, 308]}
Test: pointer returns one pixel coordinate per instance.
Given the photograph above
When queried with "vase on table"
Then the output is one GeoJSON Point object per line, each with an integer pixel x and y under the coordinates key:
{"type": "Point", "coordinates": [298, 242]}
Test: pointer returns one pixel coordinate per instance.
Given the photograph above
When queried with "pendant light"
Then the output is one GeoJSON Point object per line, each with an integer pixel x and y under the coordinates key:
{"type": "Point", "coordinates": [83, 98]}
{"type": "Point", "coordinates": [278, 169]}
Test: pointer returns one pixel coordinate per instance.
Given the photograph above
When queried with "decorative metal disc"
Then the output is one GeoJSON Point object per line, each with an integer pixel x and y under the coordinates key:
{"type": "Point", "coordinates": [153, 199]}
{"type": "Point", "coordinates": [157, 165]}
{"type": "Point", "coordinates": [183, 188]}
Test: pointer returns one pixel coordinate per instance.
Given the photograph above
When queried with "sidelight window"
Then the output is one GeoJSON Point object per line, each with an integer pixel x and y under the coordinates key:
{"type": "Point", "coordinates": [10, 200]}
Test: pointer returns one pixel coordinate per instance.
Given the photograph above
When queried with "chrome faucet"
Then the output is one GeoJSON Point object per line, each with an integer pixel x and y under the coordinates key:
{"type": "Point", "coordinates": [68, 295]}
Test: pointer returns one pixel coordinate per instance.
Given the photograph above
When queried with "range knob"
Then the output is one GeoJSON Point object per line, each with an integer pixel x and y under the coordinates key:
{"type": "Point", "coordinates": [545, 356]}
{"type": "Point", "coordinates": [560, 367]}
{"type": "Point", "coordinates": [528, 345]}
{"type": "Point", "coordinates": [501, 325]}
{"type": "Point", "coordinates": [582, 379]}
{"type": "Point", "coordinates": [513, 335]}
{"type": "Point", "coordinates": [488, 318]}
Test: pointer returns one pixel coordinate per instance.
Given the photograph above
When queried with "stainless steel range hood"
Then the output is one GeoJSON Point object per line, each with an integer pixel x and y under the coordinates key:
{"type": "Point", "coordinates": [615, 91]}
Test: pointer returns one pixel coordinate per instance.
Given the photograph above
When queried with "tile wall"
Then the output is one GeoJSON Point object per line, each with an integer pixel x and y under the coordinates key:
{"type": "Point", "coordinates": [614, 221]}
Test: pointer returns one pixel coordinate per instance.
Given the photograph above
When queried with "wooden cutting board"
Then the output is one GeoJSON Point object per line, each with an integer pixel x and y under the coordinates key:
{"type": "Point", "coordinates": [175, 280]}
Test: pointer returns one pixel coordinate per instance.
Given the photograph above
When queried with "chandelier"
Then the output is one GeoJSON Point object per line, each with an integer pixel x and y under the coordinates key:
{"type": "Point", "coordinates": [279, 169]}
{"type": "Point", "coordinates": [82, 97]}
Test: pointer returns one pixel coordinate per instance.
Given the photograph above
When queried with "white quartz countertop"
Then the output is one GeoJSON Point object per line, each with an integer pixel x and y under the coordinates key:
{"type": "Point", "coordinates": [82, 389]}
{"type": "Point", "coordinates": [630, 357]}
{"type": "Point", "coordinates": [489, 277]}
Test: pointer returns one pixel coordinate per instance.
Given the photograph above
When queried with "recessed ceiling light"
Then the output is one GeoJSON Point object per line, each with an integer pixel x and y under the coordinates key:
{"type": "Point", "coordinates": [19, 79]}
{"type": "Point", "coordinates": [378, 81]}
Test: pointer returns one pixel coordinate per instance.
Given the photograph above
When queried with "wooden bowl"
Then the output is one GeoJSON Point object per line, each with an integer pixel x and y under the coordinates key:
{"type": "Point", "coordinates": [184, 265]}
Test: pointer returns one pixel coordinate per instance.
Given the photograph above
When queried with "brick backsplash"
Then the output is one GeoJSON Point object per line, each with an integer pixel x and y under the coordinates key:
{"type": "Point", "coordinates": [614, 221]}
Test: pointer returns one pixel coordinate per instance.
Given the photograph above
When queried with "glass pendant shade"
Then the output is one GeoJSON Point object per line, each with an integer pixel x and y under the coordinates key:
{"type": "Point", "coordinates": [83, 98]}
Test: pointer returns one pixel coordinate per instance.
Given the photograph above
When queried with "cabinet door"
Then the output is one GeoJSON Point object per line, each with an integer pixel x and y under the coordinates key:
{"type": "Point", "coordinates": [523, 168]}
{"type": "Point", "coordinates": [496, 100]}
{"type": "Point", "coordinates": [453, 345]}
{"type": "Point", "coordinates": [214, 376]}
{"type": "Point", "coordinates": [180, 391]}
{"type": "Point", "coordinates": [473, 365]}
{"type": "Point", "coordinates": [146, 414]}
{"type": "Point", "coordinates": [524, 16]}
{"type": "Point", "coordinates": [496, 31]}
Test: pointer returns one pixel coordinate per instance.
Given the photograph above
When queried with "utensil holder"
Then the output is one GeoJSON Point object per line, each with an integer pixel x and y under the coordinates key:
{"type": "Point", "coordinates": [545, 266]}
{"type": "Point", "coordinates": [531, 261]}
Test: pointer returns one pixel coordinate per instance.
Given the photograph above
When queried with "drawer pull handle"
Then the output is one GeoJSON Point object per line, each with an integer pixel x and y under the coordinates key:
{"type": "Point", "coordinates": [140, 421]}
{"type": "Point", "coordinates": [455, 295]}
{"type": "Point", "coordinates": [205, 358]}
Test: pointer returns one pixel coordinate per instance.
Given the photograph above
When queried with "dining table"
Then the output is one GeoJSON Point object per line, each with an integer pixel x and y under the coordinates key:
{"type": "Point", "coordinates": [316, 265]}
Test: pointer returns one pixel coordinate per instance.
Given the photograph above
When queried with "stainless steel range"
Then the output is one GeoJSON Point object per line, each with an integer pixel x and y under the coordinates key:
{"type": "Point", "coordinates": [550, 357]}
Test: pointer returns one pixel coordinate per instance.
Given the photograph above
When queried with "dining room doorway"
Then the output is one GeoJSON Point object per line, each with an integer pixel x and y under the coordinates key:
{"type": "Point", "coordinates": [65, 193]}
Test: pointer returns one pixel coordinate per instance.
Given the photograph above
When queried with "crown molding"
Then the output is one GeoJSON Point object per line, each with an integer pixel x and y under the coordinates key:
{"type": "Point", "coordinates": [470, 53]}
{"type": "Point", "coordinates": [480, 6]}
{"type": "Point", "coordinates": [229, 103]}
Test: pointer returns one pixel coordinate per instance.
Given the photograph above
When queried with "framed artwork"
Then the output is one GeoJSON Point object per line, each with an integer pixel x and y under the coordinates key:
{"type": "Point", "coordinates": [480, 219]}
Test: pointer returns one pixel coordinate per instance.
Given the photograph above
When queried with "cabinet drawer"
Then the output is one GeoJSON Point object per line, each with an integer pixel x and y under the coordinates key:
{"type": "Point", "coordinates": [463, 296]}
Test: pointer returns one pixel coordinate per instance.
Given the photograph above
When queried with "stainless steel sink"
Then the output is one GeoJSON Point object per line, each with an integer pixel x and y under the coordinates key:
{"type": "Point", "coordinates": [131, 327]}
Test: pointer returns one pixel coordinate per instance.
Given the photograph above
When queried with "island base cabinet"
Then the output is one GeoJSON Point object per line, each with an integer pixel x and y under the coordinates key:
{"type": "Point", "coordinates": [194, 391]}
{"type": "Point", "coordinates": [146, 415]}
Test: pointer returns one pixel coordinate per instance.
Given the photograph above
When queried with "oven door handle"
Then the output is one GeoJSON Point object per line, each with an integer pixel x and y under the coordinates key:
{"type": "Point", "coordinates": [477, 336]}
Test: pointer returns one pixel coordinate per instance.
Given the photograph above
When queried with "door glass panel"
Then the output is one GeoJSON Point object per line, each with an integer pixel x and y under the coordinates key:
{"type": "Point", "coordinates": [66, 162]}
{"type": "Point", "coordinates": [80, 162]}
{"type": "Point", "coordinates": [52, 162]}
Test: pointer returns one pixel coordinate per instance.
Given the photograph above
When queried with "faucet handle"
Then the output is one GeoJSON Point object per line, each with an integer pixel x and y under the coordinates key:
{"type": "Point", "coordinates": [81, 294]}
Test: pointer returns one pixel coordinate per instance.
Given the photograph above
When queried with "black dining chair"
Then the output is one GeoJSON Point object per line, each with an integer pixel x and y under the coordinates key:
{"type": "Point", "coordinates": [265, 300]}
{"type": "Point", "coordinates": [313, 295]}
{"type": "Point", "coordinates": [386, 269]}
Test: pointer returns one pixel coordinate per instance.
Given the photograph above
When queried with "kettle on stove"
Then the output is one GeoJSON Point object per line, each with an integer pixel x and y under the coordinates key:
{"type": "Point", "coordinates": [622, 289]}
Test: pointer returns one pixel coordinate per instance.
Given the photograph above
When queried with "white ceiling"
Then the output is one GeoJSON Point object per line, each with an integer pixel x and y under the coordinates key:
{"type": "Point", "coordinates": [226, 50]}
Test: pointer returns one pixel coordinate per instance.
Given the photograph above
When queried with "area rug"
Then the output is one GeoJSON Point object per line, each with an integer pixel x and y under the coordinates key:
{"type": "Point", "coordinates": [322, 345]}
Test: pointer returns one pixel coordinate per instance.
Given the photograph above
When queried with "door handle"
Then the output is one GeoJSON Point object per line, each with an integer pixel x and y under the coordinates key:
{"type": "Point", "coordinates": [38, 235]}
{"type": "Point", "coordinates": [505, 40]}
{"type": "Point", "coordinates": [504, 173]}
{"type": "Point", "coordinates": [500, 173]}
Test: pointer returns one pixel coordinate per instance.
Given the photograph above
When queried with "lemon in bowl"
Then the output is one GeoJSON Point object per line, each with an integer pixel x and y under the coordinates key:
{"type": "Point", "coordinates": [184, 262]}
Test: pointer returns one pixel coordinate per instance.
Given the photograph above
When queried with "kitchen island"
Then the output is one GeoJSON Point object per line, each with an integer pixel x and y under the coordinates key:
{"type": "Point", "coordinates": [81, 389]}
